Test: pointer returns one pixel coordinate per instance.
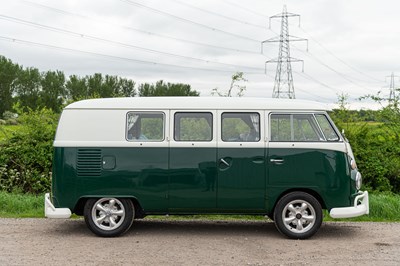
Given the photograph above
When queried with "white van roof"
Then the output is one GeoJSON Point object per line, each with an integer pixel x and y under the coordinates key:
{"type": "Point", "coordinates": [198, 103]}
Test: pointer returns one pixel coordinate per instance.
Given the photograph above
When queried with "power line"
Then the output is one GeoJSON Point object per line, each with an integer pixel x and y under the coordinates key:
{"type": "Point", "coordinates": [319, 43]}
{"type": "Point", "coordinates": [315, 96]}
{"type": "Point", "coordinates": [347, 77]}
{"type": "Point", "coordinates": [154, 10]}
{"type": "Point", "coordinates": [304, 75]}
{"type": "Point", "coordinates": [129, 28]}
{"type": "Point", "coordinates": [219, 15]}
{"type": "Point", "coordinates": [113, 56]}
{"type": "Point", "coordinates": [340, 60]}
{"type": "Point", "coordinates": [94, 38]}
{"type": "Point", "coordinates": [149, 33]}
{"type": "Point", "coordinates": [317, 81]}
{"type": "Point", "coordinates": [310, 55]}
{"type": "Point", "coordinates": [245, 8]}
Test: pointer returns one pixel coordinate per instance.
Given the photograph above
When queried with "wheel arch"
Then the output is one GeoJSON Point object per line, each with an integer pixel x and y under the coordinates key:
{"type": "Point", "coordinates": [312, 192]}
{"type": "Point", "coordinates": [79, 206]}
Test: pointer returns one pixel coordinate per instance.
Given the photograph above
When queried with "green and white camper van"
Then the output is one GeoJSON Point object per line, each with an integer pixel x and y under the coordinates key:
{"type": "Point", "coordinates": [120, 159]}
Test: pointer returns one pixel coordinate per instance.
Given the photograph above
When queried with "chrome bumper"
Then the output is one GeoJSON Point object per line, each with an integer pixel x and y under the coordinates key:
{"type": "Point", "coordinates": [52, 212]}
{"type": "Point", "coordinates": [356, 210]}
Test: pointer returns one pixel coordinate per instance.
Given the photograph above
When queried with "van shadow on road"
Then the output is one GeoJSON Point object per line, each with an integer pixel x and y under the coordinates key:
{"type": "Point", "coordinates": [193, 228]}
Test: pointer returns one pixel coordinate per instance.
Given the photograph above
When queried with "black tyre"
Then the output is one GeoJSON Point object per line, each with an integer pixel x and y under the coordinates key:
{"type": "Point", "coordinates": [298, 215]}
{"type": "Point", "coordinates": [109, 217]}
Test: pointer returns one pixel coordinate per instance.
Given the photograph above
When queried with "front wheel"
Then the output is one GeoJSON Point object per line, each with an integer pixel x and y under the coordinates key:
{"type": "Point", "coordinates": [298, 215]}
{"type": "Point", "coordinates": [109, 217]}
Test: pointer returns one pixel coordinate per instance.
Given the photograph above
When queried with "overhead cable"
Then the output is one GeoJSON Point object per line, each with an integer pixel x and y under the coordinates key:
{"type": "Point", "coordinates": [218, 15]}
{"type": "Point", "coordinates": [54, 47]}
{"type": "Point", "coordinates": [154, 10]}
{"type": "Point", "coordinates": [94, 38]}
{"type": "Point", "coordinates": [129, 28]}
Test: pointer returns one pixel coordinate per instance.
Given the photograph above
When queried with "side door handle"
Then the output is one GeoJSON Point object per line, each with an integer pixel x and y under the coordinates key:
{"type": "Point", "coordinates": [277, 161]}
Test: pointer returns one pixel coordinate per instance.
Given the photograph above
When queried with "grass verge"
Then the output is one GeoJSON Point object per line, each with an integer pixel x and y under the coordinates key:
{"type": "Point", "coordinates": [21, 205]}
{"type": "Point", "coordinates": [383, 208]}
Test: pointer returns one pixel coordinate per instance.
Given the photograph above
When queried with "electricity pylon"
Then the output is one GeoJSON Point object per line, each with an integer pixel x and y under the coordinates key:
{"type": "Point", "coordinates": [392, 87]}
{"type": "Point", "coordinates": [283, 87]}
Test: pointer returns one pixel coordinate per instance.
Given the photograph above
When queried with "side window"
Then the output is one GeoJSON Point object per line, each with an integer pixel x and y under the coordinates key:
{"type": "Point", "coordinates": [243, 127]}
{"type": "Point", "coordinates": [280, 128]}
{"type": "Point", "coordinates": [305, 128]}
{"type": "Point", "coordinates": [327, 129]}
{"type": "Point", "coordinates": [145, 126]}
{"type": "Point", "coordinates": [193, 127]}
{"type": "Point", "coordinates": [294, 127]}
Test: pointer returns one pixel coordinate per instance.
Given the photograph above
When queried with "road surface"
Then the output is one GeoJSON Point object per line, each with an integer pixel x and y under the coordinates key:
{"type": "Point", "coordinates": [196, 242]}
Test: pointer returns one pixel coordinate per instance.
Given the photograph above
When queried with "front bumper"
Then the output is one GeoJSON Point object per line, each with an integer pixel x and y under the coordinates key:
{"type": "Point", "coordinates": [356, 210]}
{"type": "Point", "coordinates": [52, 212]}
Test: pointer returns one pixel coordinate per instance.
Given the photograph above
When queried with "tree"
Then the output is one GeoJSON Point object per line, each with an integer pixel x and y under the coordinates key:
{"type": "Point", "coordinates": [8, 76]}
{"type": "Point", "coordinates": [113, 86]}
{"type": "Point", "coordinates": [94, 84]}
{"type": "Point", "coordinates": [166, 89]}
{"type": "Point", "coordinates": [53, 92]}
{"type": "Point", "coordinates": [76, 88]}
{"type": "Point", "coordinates": [28, 87]}
{"type": "Point", "coordinates": [125, 88]}
{"type": "Point", "coordinates": [238, 77]}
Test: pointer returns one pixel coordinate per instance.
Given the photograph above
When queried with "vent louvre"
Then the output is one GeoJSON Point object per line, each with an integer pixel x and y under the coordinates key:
{"type": "Point", "coordinates": [88, 162]}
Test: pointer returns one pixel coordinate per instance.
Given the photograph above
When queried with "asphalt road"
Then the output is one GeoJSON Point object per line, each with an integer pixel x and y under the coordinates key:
{"type": "Point", "coordinates": [160, 242]}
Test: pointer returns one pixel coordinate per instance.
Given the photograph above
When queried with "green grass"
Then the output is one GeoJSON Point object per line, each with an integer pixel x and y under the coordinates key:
{"type": "Point", "coordinates": [21, 205]}
{"type": "Point", "coordinates": [383, 208]}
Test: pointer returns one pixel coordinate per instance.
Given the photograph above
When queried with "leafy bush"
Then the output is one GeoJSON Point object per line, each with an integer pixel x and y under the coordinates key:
{"type": "Point", "coordinates": [26, 156]}
{"type": "Point", "coordinates": [376, 145]}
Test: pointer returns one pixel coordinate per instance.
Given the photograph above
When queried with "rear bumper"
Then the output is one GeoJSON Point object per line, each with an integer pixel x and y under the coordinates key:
{"type": "Point", "coordinates": [356, 210]}
{"type": "Point", "coordinates": [52, 212]}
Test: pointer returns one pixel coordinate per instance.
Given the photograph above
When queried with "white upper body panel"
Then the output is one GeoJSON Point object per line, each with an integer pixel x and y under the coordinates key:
{"type": "Point", "coordinates": [207, 103]}
{"type": "Point", "coordinates": [103, 122]}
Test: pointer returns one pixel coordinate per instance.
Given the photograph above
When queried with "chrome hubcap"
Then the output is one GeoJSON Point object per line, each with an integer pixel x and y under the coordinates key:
{"type": "Point", "coordinates": [108, 213]}
{"type": "Point", "coordinates": [298, 216]}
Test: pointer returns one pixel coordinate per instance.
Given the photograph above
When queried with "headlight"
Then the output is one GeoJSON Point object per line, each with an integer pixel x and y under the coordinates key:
{"type": "Point", "coordinates": [353, 164]}
{"type": "Point", "coordinates": [358, 180]}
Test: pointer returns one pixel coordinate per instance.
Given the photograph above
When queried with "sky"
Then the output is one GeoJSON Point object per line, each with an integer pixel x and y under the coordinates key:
{"type": "Point", "coordinates": [352, 45]}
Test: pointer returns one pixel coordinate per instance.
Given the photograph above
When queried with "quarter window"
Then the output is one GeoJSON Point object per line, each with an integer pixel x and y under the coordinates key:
{"type": "Point", "coordinates": [145, 126]}
{"type": "Point", "coordinates": [295, 127]}
{"type": "Point", "coordinates": [193, 126]}
{"type": "Point", "coordinates": [242, 127]}
{"type": "Point", "coordinates": [327, 129]}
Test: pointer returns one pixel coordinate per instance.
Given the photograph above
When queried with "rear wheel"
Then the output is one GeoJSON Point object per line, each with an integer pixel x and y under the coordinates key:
{"type": "Point", "coordinates": [109, 217]}
{"type": "Point", "coordinates": [298, 215]}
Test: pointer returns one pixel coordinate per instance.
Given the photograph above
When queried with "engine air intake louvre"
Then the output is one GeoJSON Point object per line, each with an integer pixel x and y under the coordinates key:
{"type": "Point", "coordinates": [89, 162]}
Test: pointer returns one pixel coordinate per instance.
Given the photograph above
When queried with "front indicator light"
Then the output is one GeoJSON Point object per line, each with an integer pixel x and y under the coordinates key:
{"type": "Point", "coordinates": [358, 180]}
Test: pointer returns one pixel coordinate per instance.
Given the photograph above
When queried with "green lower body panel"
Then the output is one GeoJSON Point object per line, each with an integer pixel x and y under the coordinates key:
{"type": "Point", "coordinates": [199, 180]}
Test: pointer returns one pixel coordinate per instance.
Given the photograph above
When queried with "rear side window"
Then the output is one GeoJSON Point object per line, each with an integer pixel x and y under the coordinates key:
{"type": "Point", "coordinates": [145, 126]}
{"type": "Point", "coordinates": [243, 127]}
{"type": "Point", "coordinates": [295, 127]}
{"type": "Point", "coordinates": [193, 126]}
